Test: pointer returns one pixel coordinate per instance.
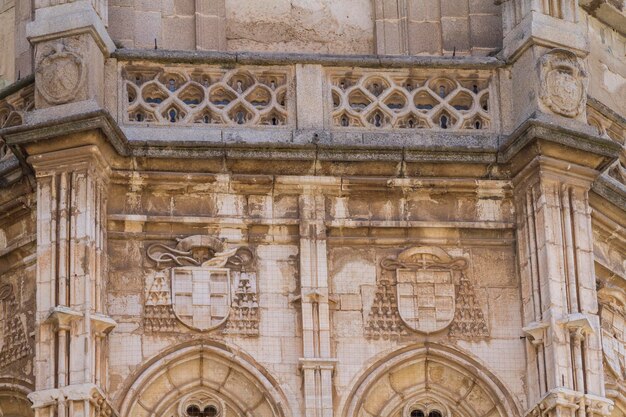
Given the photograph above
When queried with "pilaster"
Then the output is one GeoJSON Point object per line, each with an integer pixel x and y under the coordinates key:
{"type": "Point", "coordinates": [71, 321]}
{"type": "Point", "coordinates": [546, 47]}
{"type": "Point", "coordinates": [317, 364]}
{"type": "Point", "coordinates": [560, 308]}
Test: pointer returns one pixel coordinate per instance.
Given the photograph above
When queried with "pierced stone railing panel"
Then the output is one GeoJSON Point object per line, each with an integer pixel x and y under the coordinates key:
{"type": "Point", "coordinates": [207, 95]}
{"type": "Point", "coordinates": [12, 109]}
{"type": "Point", "coordinates": [411, 99]}
{"type": "Point", "coordinates": [606, 126]}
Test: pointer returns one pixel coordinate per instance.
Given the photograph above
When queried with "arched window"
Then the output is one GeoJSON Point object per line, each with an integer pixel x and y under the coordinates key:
{"type": "Point", "coordinates": [425, 407]}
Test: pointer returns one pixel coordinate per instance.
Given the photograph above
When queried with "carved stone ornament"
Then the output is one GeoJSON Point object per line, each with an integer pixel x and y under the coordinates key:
{"type": "Point", "coordinates": [60, 75]}
{"type": "Point", "coordinates": [563, 82]}
{"type": "Point", "coordinates": [432, 293]}
{"type": "Point", "coordinates": [14, 342]}
{"type": "Point", "coordinates": [613, 322]}
{"type": "Point", "coordinates": [209, 284]}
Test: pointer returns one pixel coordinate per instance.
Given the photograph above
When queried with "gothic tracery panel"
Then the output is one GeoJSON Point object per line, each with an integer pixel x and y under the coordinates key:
{"type": "Point", "coordinates": [206, 96]}
{"type": "Point", "coordinates": [411, 100]}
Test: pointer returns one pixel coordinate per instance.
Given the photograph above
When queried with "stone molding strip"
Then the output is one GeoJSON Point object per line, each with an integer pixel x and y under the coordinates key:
{"type": "Point", "coordinates": [575, 135]}
{"type": "Point", "coordinates": [269, 58]}
{"type": "Point", "coordinates": [610, 189]}
{"type": "Point", "coordinates": [17, 86]}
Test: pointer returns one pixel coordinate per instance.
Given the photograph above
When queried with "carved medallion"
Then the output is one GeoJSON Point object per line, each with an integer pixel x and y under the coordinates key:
{"type": "Point", "coordinates": [60, 75]}
{"type": "Point", "coordinates": [209, 284]}
{"type": "Point", "coordinates": [563, 82]}
{"type": "Point", "coordinates": [431, 294]}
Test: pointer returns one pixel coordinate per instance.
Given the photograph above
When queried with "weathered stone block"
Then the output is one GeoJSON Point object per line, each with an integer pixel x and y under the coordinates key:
{"type": "Point", "coordinates": [485, 31]}
{"type": "Point", "coordinates": [147, 28]}
{"type": "Point", "coordinates": [456, 34]}
{"type": "Point", "coordinates": [425, 38]}
{"type": "Point", "coordinates": [179, 32]}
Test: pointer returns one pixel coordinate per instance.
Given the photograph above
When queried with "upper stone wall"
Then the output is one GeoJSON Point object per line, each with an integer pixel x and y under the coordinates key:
{"type": "Point", "coordinates": [422, 27]}
{"type": "Point", "coordinates": [607, 64]}
{"type": "Point", "coordinates": [15, 51]}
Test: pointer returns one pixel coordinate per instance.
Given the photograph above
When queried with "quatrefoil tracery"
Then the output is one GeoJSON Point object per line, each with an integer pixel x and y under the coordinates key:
{"type": "Point", "coordinates": [235, 97]}
{"type": "Point", "coordinates": [382, 101]}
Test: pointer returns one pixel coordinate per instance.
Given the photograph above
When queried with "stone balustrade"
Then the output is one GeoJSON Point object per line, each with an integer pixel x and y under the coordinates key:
{"type": "Point", "coordinates": [354, 99]}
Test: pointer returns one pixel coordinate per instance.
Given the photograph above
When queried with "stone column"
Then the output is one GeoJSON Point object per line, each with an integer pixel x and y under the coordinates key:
{"type": "Point", "coordinates": [317, 364]}
{"type": "Point", "coordinates": [565, 376]}
{"type": "Point", "coordinates": [71, 324]}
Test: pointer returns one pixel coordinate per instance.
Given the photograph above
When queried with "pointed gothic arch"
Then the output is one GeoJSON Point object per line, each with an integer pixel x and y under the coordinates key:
{"type": "Point", "coordinates": [213, 379]}
{"type": "Point", "coordinates": [428, 380]}
{"type": "Point", "coordinates": [14, 400]}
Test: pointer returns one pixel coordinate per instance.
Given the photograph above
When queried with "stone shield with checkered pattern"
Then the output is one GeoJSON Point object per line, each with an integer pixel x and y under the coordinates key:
{"type": "Point", "coordinates": [201, 296]}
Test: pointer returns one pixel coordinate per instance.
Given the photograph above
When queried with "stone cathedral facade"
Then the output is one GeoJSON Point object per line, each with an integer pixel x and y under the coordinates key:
{"type": "Point", "coordinates": [312, 208]}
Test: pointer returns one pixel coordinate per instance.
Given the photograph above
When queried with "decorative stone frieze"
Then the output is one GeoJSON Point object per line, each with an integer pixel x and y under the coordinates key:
{"type": "Point", "coordinates": [564, 81]}
{"type": "Point", "coordinates": [78, 400]}
{"type": "Point", "coordinates": [431, 293]}
{"type": "Point", "coordinates": [411, 99]}
{"type": "Point", "coordinates": [207, 286]}
{"type": "Point", "coordinates": [206, 95]}
{"type": "Point", "coordinates": [562, 402]}
{"type": "Point", "coordinates": [469, 319]}
{"type": "Point", "coordinates": [15, 345]}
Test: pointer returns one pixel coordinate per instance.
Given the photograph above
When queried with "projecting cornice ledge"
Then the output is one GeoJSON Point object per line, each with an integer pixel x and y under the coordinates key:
{"type": "Point", "coordinates": [570, 141]}
{"type": "Point", "coordinates": [611, 190]}
{"type": "Point", "coordinates": [549, 136]}
{"type": "Point", "coordinates": [282, 58]}
{"type": "Point", "coordinates": [65, 120]}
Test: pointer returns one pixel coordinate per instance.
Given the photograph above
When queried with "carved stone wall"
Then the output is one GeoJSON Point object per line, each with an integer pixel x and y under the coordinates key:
{"type": "Point", "coordinates": [210, 96]}
{"type": "Point", "coordinates": [412, 100]}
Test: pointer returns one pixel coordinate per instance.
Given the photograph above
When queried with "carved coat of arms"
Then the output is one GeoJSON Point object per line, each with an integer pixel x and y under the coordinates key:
{"type": "Point", "coordinates": [208, 282]}
{"type": "Point", "coordinates": [613, 319]}
{"type": "Point", "coordinates": [563, 82]}
{"type": "Point", "coordinates": [425, 287]}
{"type": "Point", "coordinates": [426, 290]}
{"type": "Point", "coordinates": [60, 75]}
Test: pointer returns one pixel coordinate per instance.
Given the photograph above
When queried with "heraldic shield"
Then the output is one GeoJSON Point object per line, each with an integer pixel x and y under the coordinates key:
{"type": "Point", "coordinates": [425, 287]}
{"type": "Point", "coordinates": [201, 296]}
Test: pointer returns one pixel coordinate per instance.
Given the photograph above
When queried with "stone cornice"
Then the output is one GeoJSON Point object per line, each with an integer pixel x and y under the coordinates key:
{"type": "Point", "coordinates": [611, 190]}
{"type": "Point", "coordinates": [16, 86]}
{"type": "Point", "coordinates": [569, 136]}
{"type": "Point", "coordinates": [273, 58]}
{"type": "Point", "coordinates": [310, 145]}
{"type": "Point", "coordinates": [54, 126]}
